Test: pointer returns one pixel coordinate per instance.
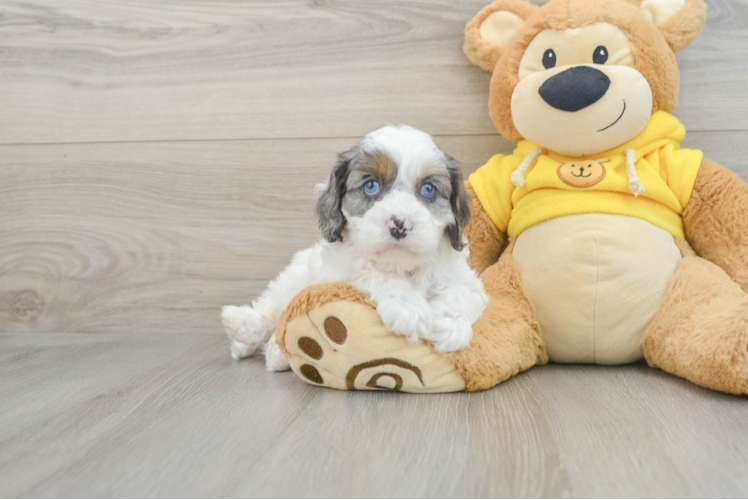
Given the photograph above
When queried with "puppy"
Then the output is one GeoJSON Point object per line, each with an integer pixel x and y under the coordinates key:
{"type": "Point", "coordinates": [392, 214]}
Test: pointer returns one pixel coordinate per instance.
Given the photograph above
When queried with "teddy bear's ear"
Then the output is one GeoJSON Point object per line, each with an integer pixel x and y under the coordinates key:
{"type": "Point", "coordinates": [493, 30]}
{"type": "Point", "coordinates": [679, 21]}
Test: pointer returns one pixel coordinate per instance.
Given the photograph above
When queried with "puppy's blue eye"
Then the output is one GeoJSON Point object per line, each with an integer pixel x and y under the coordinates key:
{"type": "Point", "coordinates": [371, 188]}
{"type": "Point", "coordinates": [428, 190]}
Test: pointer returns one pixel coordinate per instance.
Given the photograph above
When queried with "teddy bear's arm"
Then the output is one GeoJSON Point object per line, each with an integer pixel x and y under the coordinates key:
{"type": "Point", "coordinates": [716, 220]}
{"type": "Point", "coordinates": [484, 238]}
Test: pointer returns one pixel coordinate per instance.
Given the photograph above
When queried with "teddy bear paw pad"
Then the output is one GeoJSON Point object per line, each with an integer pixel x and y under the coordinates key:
{"type": "Point", "coordinates": [345, 345]}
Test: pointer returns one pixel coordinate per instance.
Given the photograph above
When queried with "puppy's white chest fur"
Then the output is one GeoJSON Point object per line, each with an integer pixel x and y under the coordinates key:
{"type": "Point", "coordinates": [340, 262]}
{"type": "Point", "coordinates": [437, 300]}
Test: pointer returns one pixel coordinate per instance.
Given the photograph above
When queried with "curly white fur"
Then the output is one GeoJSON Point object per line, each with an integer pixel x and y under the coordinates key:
{"type": "Point", "coordinates": [423, 287]}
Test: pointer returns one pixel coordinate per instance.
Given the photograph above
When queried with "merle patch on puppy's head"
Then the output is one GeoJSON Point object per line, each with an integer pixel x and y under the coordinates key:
{"type": "Point", "coordinates": [460, 202]}
{"type": "Point", "coordinates": [395, 196]}
{"type": "Point", "coordinates": [330, 198]}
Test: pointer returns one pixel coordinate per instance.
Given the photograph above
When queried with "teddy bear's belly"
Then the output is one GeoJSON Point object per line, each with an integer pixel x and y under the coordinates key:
{"type": "Point", "coordinates": [596, 281]}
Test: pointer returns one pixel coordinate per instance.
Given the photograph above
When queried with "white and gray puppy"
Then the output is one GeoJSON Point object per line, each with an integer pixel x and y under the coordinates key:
{"type": "Point", "coordinates": [393, 214]}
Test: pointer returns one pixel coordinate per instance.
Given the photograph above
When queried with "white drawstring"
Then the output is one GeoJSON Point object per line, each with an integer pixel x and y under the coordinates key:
{"type": "Point", "coordinates": [518, 176]}
{"type": "Point", "coordinates": [635, 185]}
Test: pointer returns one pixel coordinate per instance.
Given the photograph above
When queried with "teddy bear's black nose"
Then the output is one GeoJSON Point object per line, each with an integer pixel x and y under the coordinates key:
{"type": "Point", "coordinates": [574, 89]}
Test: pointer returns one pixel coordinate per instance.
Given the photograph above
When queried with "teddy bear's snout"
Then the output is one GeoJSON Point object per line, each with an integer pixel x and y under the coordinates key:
{"type": "Point", "coordinates": [575, 88]}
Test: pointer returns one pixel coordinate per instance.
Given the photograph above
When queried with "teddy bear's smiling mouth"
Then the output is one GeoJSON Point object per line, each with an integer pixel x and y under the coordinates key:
{"type": "Point", "coordinates": [581, 174]}
{"type": "Point", "coordinates": [619, 117]}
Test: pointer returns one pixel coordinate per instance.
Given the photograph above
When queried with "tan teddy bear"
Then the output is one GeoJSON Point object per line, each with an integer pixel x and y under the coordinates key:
{"type": "Point", "coordinates": [599, 240]}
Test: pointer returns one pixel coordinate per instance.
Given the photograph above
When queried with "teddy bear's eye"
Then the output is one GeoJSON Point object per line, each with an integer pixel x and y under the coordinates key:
{"type": "Point", "coordinates": [549, 59]}
{"type": "Point", "coordinates": [600, 55]}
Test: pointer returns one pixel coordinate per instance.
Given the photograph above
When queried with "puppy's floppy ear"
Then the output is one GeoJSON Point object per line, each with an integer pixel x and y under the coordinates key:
{"type": "Point", "coordinates": [330, 201]}
{"type": "Point", "coordinates": [493, 30]}
{"type": "Point", "coordinates": [679, 21]}
{"type": "Point", "coordinates": [460, 202]}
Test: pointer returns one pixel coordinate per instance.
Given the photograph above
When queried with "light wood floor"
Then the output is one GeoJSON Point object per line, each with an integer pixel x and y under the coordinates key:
{"type": "Point", "coordinates": [172, 415]}
{"type": "Point", "coordinates": [157, 160]}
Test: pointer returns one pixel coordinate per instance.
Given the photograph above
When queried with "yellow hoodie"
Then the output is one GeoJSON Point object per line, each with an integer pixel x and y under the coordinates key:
{"type": "Point", "coordinates": [654, 185]}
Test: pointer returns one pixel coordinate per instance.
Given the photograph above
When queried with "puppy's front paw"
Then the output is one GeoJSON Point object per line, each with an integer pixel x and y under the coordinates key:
{"type": "Point", "coordinates": [407, 316]}
{"type": "Point", "coordinates": [451, 333]}
{"type": "Point", "coordinates": [246, 326]}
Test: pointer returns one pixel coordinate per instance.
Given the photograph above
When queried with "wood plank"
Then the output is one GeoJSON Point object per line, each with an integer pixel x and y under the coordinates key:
{"type": "Point", "coordinates": [99, 238]}
{"type": "Point", "coordinates": [157, 236]}
{"type": "Point", "coordinates": [174, 416]}
{"type": "Point", "coordinates": [135, 70]}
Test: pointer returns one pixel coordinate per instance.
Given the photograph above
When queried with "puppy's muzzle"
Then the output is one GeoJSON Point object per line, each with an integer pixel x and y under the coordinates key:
{"type": "Point", "coordinates": [575, 88]}
{"type": "Point", "coordinates": [398, 227]}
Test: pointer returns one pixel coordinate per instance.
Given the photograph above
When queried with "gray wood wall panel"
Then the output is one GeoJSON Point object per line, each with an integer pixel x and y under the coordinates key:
{"type": "Point", "coordinates": [101, 238]}
{"type": "Point", "coordinates": [136, 70]}
{"type": "Point", "coordinates": [155, 237]}
{"type": "Point", "coordinates": [157, 158]}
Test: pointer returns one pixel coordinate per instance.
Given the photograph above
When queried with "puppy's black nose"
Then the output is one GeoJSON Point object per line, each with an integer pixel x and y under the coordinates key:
{"type": "Point", "coordinates": [398, 228]}
{"type": "Point", "coordinates": [575, 89]}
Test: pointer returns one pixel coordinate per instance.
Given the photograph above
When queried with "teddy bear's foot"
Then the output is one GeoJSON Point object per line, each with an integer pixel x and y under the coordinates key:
{"type": "Point", "coordinates": [701, 330]}
{"type": "Point", "coordinates": [332, 336]}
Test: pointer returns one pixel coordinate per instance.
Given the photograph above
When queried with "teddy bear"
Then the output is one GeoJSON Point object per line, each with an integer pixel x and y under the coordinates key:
{"type": "Point", "coordinates": [598, 240]}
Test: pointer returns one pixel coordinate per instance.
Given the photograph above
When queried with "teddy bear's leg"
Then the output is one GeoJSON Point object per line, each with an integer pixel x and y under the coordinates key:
{"type": "Point", "coordinates": [507, 338]}
{"type": "Point", "coordinates": [701, 330]}
{"type": "Point", "coordinates": [716, 220]}
{"type": "Point", "coordinates": [333, 336]}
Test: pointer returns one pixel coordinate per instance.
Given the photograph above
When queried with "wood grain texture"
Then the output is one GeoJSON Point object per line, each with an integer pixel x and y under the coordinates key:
{"type": "Point", "coordinates": [157, 161]}
{"type": "Point", "coordinates": [174, 416]}
{"type": "Point", "coordinates": [101, 238]}
{"type": "Point", "coordinates": [137, 70]}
